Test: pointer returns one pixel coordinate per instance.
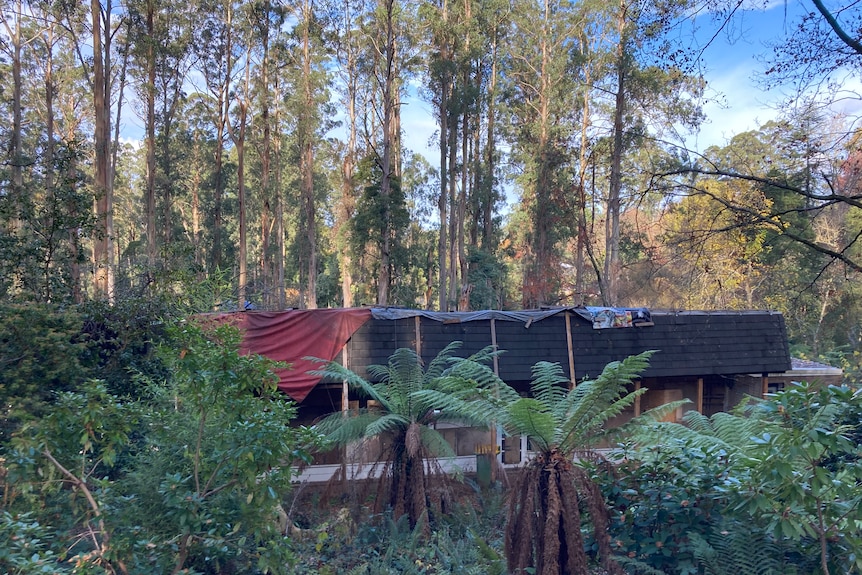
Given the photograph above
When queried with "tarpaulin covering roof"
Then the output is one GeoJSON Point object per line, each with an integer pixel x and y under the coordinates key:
{"type": "Point", "coordinates": [292, 335]}
{"type": "Point", "coordinates": [689, 343]}
{"type": "Point", "coordinates": [601, 317]}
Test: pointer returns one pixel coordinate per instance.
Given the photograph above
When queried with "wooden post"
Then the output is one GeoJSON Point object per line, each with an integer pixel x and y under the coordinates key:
{"type": "Point", "coordinates": [418, 328]}
{"type": "Point", "coordinates": [496, 436]}
{"type": "Point", "coordinates": [571, 350]}
{"type": "Point", "coordinates": [700, 395]}
{"type": "Point", "coordinates": [765, 388]}
{"type": "Point", "coordinates": [345, 392]}
{"type": "Point", "coordinates": [494, 345]}
{"type": "Point", "coordinates": [345, 408]}
{"type": "Point", "coordinates": [637, 399]}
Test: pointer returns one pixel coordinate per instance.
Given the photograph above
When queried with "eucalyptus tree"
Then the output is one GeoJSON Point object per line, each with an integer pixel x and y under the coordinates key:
{"type": "Point", "coordinates": [16, 38]}
{"type": "Point", "coordinates": [541, 109]}
{"type": "Point", "coordinates": [308, 107]}
{"type": "Point", "coordinates": [267, 20]}
{"type": "Point", "coordinates": [160, 36]}
{"type": "Point", "coordinates": [464, 39]}
{"type": "Point", "coordinates": [217, 55]}
{"type": "Point", "coordinates": [655, 88]}
{"type": "Point", "coordinates": [348, 53]}
{"type": "Point", "coordinates": [388, 34]}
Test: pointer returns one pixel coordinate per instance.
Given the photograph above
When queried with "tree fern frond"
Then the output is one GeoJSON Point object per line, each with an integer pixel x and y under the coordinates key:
{"type": "Point", "coordinates": [549, 385]}
{"type": "Point", "coordinates": [340, 429]}
{"type": "Point", "coordinates": [592, 397]}
{"type": "Point", "coordinates": [441, 361]}
{"type": "Point", "coordinates": [667, 433]}
{"type": "Point", "coordinates": [434, 443]}
{"type": "Point", "coordinates": [735, 430]}
{"type": "Point", "coordinates": [385, 423]}
{"type": "Point", "coordinates": [594, 430]}
{"type": "Point", "coordinates": [697, 421]}
{"type": "Point", "coordinates": [378, 373]}
{"type": "Point", "coordinates": [530, 417]}
{"type": "Point", "coordinates": [337, 372]}
{"type": "Point", "coordinates": [486, 355]}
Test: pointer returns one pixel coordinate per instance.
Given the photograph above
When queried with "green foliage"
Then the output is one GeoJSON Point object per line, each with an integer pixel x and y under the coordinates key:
{"type": "Point", "coordinates": [122, 339]}
{"type": "Point", "coordinates": [467, 540]}
{"type": "Point", "coordinates": [24, 549]}
{"type": "Point", "coordinates": [42, 352]}
{"type": "Point", "coordinates": [662, 495]}
{"type": "Point", "coordinates": [784, 471]}
{"type": "Point", "coordinates": [406, 410]}
{"type": "Point", "coordinates": [188, 474]}
{"type": "Point", "coordinates": [806, 477]}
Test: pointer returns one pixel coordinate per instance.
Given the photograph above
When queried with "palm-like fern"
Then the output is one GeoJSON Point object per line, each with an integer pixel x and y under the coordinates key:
{"type": "Point", "coordinates": [544, 524]}
{"type": "Point", "coordinates": [405, 416]}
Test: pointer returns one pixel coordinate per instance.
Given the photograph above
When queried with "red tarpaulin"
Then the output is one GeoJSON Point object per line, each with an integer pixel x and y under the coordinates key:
{"type": "Point", "coordinates": [289, 336]}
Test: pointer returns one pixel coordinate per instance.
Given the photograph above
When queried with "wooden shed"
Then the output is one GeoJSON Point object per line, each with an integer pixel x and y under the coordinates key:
{"type": "Point", "coordinates": [712, 358]}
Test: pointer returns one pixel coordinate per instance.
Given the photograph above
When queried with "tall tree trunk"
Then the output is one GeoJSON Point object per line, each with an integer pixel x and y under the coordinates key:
{"type": "Point", "coordinates": [238, 137]}
{"type": "Point", "coordinates": [584, 242]}
{"type": "Point", "coordinates": [279, 202]}
{"type": "Point", "coordinates": [151, 137]}
{"type": "Point", "coordinates": [443, 200]}
{"type": "Point", "coordinates": [103, 252]}
{"type": "Point", "coordinates": [265, 163]}
{"type": "Point", "coordinates": [348, 166]}
{"type": "Point", "coordinates": [306, 163]}
{"type": "Point", "coordinates": [16, 144]}
{"type": "Point", "coordinates": [610, 287]}
{"type": "Point", "coordinates": [453, 204]}
{"type": "Point", "coordinates": [491, 150]}
{"type": "Point", "coordinates": [389, 142]}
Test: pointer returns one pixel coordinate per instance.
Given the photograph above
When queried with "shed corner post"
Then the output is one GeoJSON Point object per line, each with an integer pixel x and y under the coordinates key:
{"type": "Point", "coordinates": [571, 350]}
{"type": "Point", "coordinates": [417, 326]}
{"type": "Point", "coordinates": [345, 408]}
{"type": "Point", "coordinates": [496, 431]}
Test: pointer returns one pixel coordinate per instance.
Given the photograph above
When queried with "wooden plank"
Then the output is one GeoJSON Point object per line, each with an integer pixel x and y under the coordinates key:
{"type": "Point", "coordinates": [571, 349]}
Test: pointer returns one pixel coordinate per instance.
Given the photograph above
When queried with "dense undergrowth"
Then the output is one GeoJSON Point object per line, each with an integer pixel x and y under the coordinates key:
{"type": "Point", "coordinates": [180, 459]}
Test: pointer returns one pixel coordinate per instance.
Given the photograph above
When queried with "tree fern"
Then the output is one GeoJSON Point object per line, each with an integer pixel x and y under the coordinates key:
{"type": "Point", "coordinates": [410, 401]}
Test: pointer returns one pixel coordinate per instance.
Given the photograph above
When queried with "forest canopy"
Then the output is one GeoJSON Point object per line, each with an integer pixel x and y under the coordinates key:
{"type": "Point", "coordinates": [272, 167]}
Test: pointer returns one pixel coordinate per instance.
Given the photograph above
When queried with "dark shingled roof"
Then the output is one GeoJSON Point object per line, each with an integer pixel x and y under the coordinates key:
{"type": "Point", "coordinates": [688, 343]}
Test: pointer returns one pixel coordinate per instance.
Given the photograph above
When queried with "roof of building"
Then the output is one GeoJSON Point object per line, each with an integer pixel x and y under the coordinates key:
{"type": "Point", "coordinates": [687, 343]}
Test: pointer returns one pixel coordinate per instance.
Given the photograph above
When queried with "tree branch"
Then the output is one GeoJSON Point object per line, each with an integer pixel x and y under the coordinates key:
{"type": "Point", "coordinates": [852, 43]}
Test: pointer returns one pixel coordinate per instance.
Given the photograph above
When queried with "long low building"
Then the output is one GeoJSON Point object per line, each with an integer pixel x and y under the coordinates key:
{"type": "Point", "coordinates": [712, 358]}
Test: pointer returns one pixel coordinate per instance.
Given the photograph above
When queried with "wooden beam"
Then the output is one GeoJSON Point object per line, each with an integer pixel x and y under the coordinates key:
{"type": "Point", "coordinates": [571, 350]}
{"type": "Point", "coordinates": [494, 345]}
{"type": "Point", "coordinates": [637, 399]}
{"type": "Point", "coordinates": [418, 330]}
{"type": "Point", "coordinates": [345, 391]}
{"type": "Point", "coordinates": [765, 388]}
{"type": "Point", "coordinates": [700, 395]}
{"type": "Point", "coordinates": [496, 435]}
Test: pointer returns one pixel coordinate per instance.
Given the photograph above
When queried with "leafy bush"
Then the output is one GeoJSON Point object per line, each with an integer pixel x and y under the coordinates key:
{"type": "Point", "coordinates": [660, 496]}
{"type": "Point", "coordinates": [188, 476]}
{"type": "Point", "coordinates": [41, 352]}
